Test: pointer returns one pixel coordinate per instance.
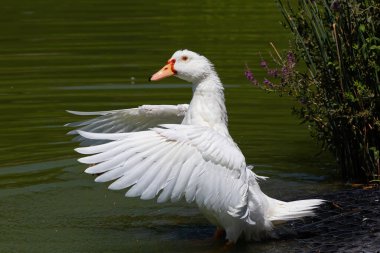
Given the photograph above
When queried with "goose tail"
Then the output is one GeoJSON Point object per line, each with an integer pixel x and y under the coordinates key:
{"type": "Point", "coordinates": [281, 211]}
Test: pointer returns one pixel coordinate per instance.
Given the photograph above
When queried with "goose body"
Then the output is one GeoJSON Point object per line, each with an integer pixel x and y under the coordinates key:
{"type": "Point", "coordinates": [171, 152]}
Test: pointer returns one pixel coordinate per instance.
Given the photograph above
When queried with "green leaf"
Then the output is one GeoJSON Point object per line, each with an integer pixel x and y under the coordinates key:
{"type": "Point", "coordinates": [374, 47]}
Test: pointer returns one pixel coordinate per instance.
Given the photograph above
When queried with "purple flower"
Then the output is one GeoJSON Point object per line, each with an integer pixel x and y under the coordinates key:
{"type": "Point", "coordinates": [250, 77]}
{"type": "Point", "coordinates": [303, 101]}
{"type": "Point", "coordinates": [335, 5]}
{"type": "Point", "coordinates": [291, 60]}
{"type": "Point", "coordinates": [268, 83]}
{"type": "Point", "coordinates": [273, 73]}
{"type": "Point", "coordinates": [263, 64]}
{"type": "Point", "coordinates": [284, 71]}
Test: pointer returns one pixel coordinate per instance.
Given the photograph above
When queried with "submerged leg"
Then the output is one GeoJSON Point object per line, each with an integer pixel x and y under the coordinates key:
{"type": "Point", "coordinates": [219, 233]}
{"type": "Point", "coordinates": [229, 245]}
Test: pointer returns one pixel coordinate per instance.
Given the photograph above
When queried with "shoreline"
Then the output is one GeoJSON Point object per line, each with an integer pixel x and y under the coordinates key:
{"type": "Point", "coordinates": [349, 221]}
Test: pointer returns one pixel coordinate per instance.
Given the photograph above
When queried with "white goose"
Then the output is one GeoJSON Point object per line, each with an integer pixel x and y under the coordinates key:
{"type": "Point", "coordinates": [185, 151]}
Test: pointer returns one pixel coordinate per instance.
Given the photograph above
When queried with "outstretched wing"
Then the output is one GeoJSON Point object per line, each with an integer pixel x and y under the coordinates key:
{"type": "Point", "coordinates": [171, 161]}
{"type": "Point", "coordinates": [128, 120]}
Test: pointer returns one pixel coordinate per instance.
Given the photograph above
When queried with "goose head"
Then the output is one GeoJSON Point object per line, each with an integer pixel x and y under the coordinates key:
{"type": "Point", "coordinates": [186, 65]}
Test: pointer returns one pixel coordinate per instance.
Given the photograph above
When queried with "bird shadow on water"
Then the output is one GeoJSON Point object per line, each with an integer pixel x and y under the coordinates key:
{"type": "Point", "coordinates": [200, 238]}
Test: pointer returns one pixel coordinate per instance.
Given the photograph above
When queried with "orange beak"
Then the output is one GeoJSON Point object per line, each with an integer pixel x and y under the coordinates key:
{"type": "Point", "coordinates": [166, 71]}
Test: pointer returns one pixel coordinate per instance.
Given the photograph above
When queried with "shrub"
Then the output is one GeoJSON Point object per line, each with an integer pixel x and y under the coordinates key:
{"type": "Point", "coordinates": [338, 92]}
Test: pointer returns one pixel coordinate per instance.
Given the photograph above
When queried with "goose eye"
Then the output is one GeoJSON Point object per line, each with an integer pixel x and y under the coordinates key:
{"type": "Point", "coordinates": [184, 58]}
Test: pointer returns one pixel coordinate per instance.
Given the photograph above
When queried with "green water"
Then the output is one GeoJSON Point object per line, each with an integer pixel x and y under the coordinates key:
{"type": "Point", "coordinates": [97, 55]}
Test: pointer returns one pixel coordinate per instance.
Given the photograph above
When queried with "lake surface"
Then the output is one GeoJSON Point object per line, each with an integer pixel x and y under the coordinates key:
{"type": "Point", "coordinates": [97, 55]}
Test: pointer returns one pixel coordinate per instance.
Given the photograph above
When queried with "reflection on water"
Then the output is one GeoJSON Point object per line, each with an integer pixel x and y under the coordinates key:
{"type": "Point", "coordinates": [134, 87]}
{"type": "Point", "coordinates": [97, 55]}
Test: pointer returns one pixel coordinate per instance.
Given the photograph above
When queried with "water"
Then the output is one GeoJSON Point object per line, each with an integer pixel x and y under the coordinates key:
{"type": "Point", "coordinates": [97, 55]}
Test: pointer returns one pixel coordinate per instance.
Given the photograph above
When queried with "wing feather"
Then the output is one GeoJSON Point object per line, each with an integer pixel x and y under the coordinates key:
{"type": "Point", "coordinates": [193, 183]}
{"type": "Point", "coordinates": [98, 148]}
{"type": "Point", "coordinates": [127, 120]}
{"type": "Point", "coordinates": [170, 161]}
{"type": "Point", "coordinates": [150, 171]}
{"type": "Point", "coordinates": [162, 171]}
{"type": "Point", "coordinates": [129, 159]}
{"type": "Point", "coordinates": [110, 175]}
{"type": "Point", "coordinates": [183, 178]}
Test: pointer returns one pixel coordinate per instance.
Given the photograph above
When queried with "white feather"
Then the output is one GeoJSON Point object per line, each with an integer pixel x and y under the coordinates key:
{"type": "Point", "coordinates": [128, 120]}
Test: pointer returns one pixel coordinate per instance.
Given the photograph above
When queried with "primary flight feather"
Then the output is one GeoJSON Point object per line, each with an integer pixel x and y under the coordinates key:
{"type": "Point", "coordinates": [184, 151]}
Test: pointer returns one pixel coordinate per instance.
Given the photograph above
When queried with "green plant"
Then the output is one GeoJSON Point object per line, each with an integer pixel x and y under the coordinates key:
{"type": "Point", "coordinates": [339, 90]}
